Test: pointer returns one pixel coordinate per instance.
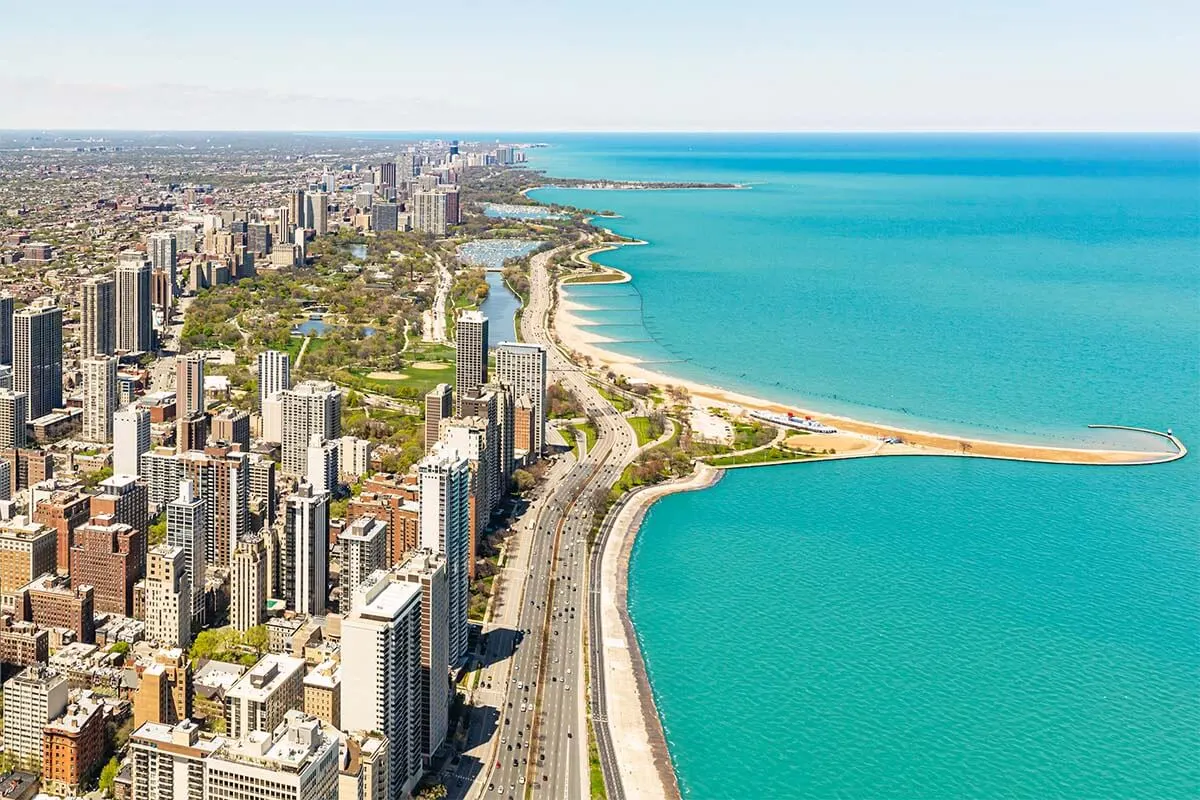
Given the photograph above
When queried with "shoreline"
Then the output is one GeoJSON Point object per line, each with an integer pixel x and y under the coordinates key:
{"type": "Point", "coordinates": [632, 717]}
{"type": "Point", "coordinates": [573, 336]}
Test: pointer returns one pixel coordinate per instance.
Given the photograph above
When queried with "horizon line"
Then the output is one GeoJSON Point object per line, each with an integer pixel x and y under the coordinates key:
{"type": "Point", "coordinates": [646, 131]}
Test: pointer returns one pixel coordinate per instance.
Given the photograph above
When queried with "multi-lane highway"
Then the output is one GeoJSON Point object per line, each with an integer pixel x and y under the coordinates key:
{"type": "Point", "coordinates": [541, 746]}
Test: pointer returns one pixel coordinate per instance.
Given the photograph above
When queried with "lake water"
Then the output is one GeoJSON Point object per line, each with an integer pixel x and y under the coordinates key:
{"type": "Point", "coordinates": [920, 628]}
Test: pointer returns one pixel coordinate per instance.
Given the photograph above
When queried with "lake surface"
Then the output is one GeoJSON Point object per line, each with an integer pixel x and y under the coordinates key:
{"type": "Point", "coordinates": [500, 307]}
{"type": "Point", "coordinates": [932, 628]}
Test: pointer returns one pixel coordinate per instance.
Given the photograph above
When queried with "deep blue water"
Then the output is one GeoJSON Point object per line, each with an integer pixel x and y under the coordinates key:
{"type": "Point", "coordinates": [920, 628]}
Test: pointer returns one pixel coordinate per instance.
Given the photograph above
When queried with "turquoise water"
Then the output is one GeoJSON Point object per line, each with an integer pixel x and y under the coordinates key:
{"type": "Point", "coordinates": [920, 628]}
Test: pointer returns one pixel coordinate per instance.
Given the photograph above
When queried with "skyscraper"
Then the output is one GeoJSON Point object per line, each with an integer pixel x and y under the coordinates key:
{"type": "Point", "coordinates": [135, 331]}
{"type": "Point", "coordinates": [323, 468]}
{"type": "Point", "coordinates": [248, 584]}
{"type": "Point", "coordinates": [485, 407]}
{"type": "Point", "coordinates": [317, 212]}
{"type": "Point", "coordinates": [163, 253]}
{"type": "Point", "coordinates": [31, 699]}
{"type": "Point", "coordinates": [97, 332]}
{"type": "Point", "coordinates": [168, 597]}
{"type": "Point", "coordinates": [439, 404]}
{"type": "Point", "coordinates": [306, 550]}
{"type": "Point", "coordinates": [99, 398]}
{"type": "Point", "coordinates": [430, 212]}
{"type": "Point", "coordinates": [387, 174]}
{"type": "Point", "coordinates": [189, 385]}
{"type": "Point", "coordinates": [364, 550]}
{"type": "Point", "coordinates": [37, 356]}
{"type": "Point", "coordinates": [310, 407]}
{"type": "Point", "coordinates": [131, 438]}
{"type": "Point", "coordinates": [186, 529]}
{"type": "Point", "coordinates": [445, 481]}
{"type": "Point", "coordinates": [522, 368]}
{"type": "Point", "coordinates": [274, 373]}
{"type": "Point", "coordinates": [298, 208]}
{"type": "Point", "coordinates": [384, 216]}
{"type": "Point", "coordinates": [14, 411]}
{"type": "Point", "coordinates": [6, 328]}
{"type": "Point", "coordinates": [471, 358]}
{"type": "Point", "coordinates": [381, 673]}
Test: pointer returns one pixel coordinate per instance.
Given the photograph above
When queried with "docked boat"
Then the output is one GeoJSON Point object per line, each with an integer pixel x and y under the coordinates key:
{"type": "Point", "coordinates": [807, 424]}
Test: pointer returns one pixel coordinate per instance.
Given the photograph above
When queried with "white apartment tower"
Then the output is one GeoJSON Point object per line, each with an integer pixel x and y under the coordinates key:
{"type": "Point", "coordinates": [306, 550]}
{"type": "Point", "coordinates": [168, 596]}
{"type": "Point", "coordinates": [189, 385]}
{"type": "Point", "coordinates": [262, 697]}
{"type": "Point", "coordinates": [310, 407]}
{"type": "Point", "coordinates": [186, 529]}
{"type": "Point", "coordinates": [364, 550]}
{"type": "Point", "coordinates": [131, 438]}
{"type": "Point", "coordinates": [37, 356]}
{"type": "Point", "coordinates": [381, 673]}
{"type": "Point", "coordinates": [135, 325]}
{"type": "Point", "coordinates": [323, 468]}
{"type": "Point", "coordinates": [522, 368]}
{"type": "Point", "coordinates": [31, 699]}
{"type": "Point", "coordinates": [98, 332]}
{"type": "Point", "coordinates": [471, 356]}
{"type": "Point", "coordinates": [298, 760]}
{"type": "Point", "coordinates": [274, 373]}
{"type": "Point", "coordinates": [14, 413]}
{"type": "Point", "coordinates": [163, 255]}
{"type": "Point", "coordinates": [445, 484]}
{"type": "Point", "coordinates": [99, 398]}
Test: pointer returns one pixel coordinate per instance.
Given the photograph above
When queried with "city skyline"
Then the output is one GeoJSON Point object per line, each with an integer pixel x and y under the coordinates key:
{"type": "Point", "coordinates": [1066, 66]}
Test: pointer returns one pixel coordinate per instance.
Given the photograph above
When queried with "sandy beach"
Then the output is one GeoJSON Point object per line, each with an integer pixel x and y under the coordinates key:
{"type": "Point", "coordinates": [573, 336]}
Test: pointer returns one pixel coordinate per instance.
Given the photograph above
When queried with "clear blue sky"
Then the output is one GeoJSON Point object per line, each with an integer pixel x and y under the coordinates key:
{"type": "Point", "coordinates": [610, 65]}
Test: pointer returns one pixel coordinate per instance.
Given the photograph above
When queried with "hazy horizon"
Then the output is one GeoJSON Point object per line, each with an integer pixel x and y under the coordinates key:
{"type": "Point", "coordinates": [762, 66]}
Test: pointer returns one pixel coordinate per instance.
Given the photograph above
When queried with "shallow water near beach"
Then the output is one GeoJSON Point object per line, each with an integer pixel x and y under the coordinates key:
{"type": "Point", "coordinates": [908, 627]}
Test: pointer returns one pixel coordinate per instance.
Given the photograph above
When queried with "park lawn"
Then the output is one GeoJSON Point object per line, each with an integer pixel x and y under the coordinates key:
{"type": "Point", "coordinates": [641, 426]}
{"type": "Point", "coordinates": [417, 382]}
{"type": "Point", "coordinates": [760, 457]}
{"type": "Point", "coordinates": [597, 277]}
{"type": "Point", "coordinates": [618, 401]}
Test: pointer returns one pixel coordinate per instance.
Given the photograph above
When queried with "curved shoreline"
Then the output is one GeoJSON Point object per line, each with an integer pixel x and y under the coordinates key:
{"type": "Point", "coordinates": [629, 720]}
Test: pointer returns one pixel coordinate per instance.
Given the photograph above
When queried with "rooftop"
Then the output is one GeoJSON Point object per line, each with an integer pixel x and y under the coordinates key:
{"type": "Point", "coordinates": [271, 672]}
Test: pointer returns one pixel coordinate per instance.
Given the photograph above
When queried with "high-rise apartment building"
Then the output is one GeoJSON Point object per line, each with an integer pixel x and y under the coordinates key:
{"type": "Point", "coordinates": [168, 596]}
{"type": "Point", "coordinates": [484, 406]}
{"type": "Point", "coordinates": [274, 373]}
{"type": "Point", "coordinates": [163, 252]}
{"type": "Point", "coordinates": [222, 479]}
{"type": "Point", "coordinates": [354, 456]}
{"type": "Point", "coordinates": [317, 212]}
{"type": "Point", "coordinates": [439, 405]}
{"type": "Point", "coordinates": [384, 216]}
{"type": "Point", "coordinates": [467, 438]}
{"type": "Point", "coordinates": [308, 408]}
{"type": "Point", "coordinates": [445, 480]}
{"type": "Point", "coordinates": [164, 692]}
{"type": "Point", "coordinates": [32, 698]}
{"type": "Point", "coordinates": [505, 434]}
{"type": "Point", "coordinates": [522, 368]}
{"type": "Point", "coordinates": [393, 499]}
{"type": "Point", "coordinates": [471, 356]}
{"type": "Point", "coordinates": [296, 761]}
{"type": "Point", "coordinates": [135, 323]}
{"type": "Point", "coordinates": [98, 331]}
{"type": "Point", "coordinates": [106, 556]}
{"type": "Point", "coordinates": [258, 238]}
{"type": "Point", "coordinates": [432, 211]}
{"type": "Point", "coordinates": [364, 550]}
{"type": "Point", "coordinates": [186, 529]}
{"type": "Point", "coordinates": [14, 413]}
{"type": "Point", "coordinates": [125, 499]}
{"type": "Point", "coordinates": [6, 328]}
{"type": "Point", "coordinates": [64, 511]}
{"type": "Point", "coordinates": [232, 426]}
{"type": "Point", "coordinates": [298, 208]}
{"type": "Point", "coordinates": [248, 584]}
{"type": "Point", "coordinates": [306, 550]}
{"type": "Point", "coordinates": [428, 570]}
{"type": "Point", "coordinates": [131, 438]}
{"type": "Point", "coordinates": [28, 550]}
{"type": "Point", "coordinates": [381, 673]}
{"type": "Point", "coordinates": [37, 356]}
{"type": "Point", "coordinates": [99, 398]}
{"type": "Point", "coordinates": [189, 385]}
{"type": "Point", "coordinates": [261, 697]}
{"type": "Point", "coordinates": [170, 761]}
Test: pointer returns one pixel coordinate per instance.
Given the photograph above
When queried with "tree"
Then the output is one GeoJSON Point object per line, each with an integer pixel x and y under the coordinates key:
{"type": "Point", "coordinates": [256, 637]}
{"type": "Point", "coordinates": [435, 792]}
{"type": "Point", "coordinates": [108, 776]}
{"type": "Point", "coordinates": [523, 480]}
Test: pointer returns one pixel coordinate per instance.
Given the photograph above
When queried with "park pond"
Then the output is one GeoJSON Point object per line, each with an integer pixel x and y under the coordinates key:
{"type": "Point", "coordinates": [316, 326]}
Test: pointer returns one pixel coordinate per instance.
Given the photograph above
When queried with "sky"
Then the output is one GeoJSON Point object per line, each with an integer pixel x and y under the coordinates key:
{"type": "Point", "coordinates": [527, 65]}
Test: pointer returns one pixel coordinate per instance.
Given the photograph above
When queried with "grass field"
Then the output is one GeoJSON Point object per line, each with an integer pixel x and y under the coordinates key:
{"type": "Point", "coordinates": [761, 457]}
{"type": "Point", "coordinates": [618, 401]}
{"type": "Point", "coordinates": [641, 426]}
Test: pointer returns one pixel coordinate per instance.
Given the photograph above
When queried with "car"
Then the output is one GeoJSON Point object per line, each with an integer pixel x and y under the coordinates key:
{"type": "Point", "coordinates": [568, 734]}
